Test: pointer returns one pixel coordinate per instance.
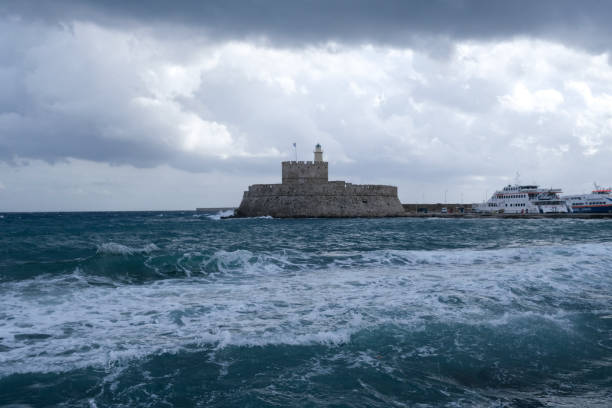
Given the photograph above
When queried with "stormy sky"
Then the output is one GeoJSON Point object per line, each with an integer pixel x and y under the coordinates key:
{"type": "Point", "coordinates": [120, 105]}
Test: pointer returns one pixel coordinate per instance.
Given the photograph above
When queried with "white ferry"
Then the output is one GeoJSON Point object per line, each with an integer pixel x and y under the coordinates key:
{"type": "Point", "coordinates": [524, 199]}
{"type": "Point", "coordinates": [599, 201]}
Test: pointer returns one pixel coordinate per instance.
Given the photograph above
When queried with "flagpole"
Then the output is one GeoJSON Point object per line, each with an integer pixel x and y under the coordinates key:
{"type": "Point", "coordinates": [295, 148]}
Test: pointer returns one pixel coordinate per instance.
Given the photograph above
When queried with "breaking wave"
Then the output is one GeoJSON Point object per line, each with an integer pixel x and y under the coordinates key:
{"type": "Point", "coordinates": [221, 214]}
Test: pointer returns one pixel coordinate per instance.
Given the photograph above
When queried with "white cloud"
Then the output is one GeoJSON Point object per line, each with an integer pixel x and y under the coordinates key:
{"type": "Point", "coordinates": [592, 125]}
{"type": "Point", "coordinates": [523, 100]}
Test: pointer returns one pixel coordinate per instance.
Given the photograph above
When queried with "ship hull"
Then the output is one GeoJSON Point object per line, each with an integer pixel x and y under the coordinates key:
{"type": "Point", "coordinates": [600, 209]}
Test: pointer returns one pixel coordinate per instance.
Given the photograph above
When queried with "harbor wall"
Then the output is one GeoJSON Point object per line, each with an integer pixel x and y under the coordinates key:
{"type": "Point", "coordinates": [452, 208]}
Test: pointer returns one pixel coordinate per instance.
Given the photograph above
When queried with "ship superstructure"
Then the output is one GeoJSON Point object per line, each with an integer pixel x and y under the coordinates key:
{"type": "Point", "coordinates": [598, 201]}
{"type": "Point", "coordinates": [524, 199]}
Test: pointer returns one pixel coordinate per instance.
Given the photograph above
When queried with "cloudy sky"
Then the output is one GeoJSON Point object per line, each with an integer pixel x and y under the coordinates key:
{"type": "Point", "coordinates": [119, 105]}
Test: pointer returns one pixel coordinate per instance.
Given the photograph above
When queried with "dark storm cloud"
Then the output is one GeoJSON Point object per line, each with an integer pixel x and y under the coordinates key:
{"type": "Point", "coordinates": [396, 22]}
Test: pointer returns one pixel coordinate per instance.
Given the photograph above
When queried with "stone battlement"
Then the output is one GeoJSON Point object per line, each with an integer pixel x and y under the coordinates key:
{"type": "Point", "coordinates": [331, 188]}
{"type": "Point", "coordinates": [299, 162]}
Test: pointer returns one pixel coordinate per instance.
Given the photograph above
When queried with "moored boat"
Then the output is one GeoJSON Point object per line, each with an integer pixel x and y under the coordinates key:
{"type": "Point", "coordinates": [524, 199]}
{"type": "Point", "coordinates": [598, 201]}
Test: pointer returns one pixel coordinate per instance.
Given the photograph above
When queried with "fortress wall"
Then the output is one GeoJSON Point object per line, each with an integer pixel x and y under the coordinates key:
{"type": "Point", "coordinates": [329, 188]}
{"type": "Point", "coordinates": [304, 172]}
{"type": "Point", "coordinates": [321, 206]}
{"type": "Point", "coordinates": [372, 189]}
{"type": "Point", "coordinates": [332, 199]}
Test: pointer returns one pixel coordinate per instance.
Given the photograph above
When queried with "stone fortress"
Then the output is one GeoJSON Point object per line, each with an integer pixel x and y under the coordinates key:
{"type": "Point", "coordinates": [306, 192]}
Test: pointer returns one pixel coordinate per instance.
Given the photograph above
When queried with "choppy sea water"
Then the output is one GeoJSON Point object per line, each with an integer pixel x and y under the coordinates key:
{"type": "Point", "coordinates": [186, 309]}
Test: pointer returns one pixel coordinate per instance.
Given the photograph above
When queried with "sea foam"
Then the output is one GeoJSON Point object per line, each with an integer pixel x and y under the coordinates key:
{"type": "Point", "coordinates": [221, 214]}
{"type": "Point", "coordinates": [71, 323]}
{"type": "Point", "coordinates": [113, 248]}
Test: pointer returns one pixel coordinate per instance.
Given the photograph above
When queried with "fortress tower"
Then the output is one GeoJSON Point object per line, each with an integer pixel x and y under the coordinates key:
{"type": "Point", "coordinates": [301, 172]}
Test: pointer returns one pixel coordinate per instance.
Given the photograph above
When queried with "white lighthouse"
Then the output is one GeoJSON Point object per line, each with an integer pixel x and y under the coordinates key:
{"type": "Point", "coordinates": [318, 153]}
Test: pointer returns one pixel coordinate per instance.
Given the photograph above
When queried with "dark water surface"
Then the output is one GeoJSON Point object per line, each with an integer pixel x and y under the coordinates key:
{"type": "Point", "coordinates": [182, 309]}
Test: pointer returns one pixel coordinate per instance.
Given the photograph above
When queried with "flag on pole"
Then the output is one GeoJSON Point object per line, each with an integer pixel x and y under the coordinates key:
{"type": "Point", "coordinates": [295, 148]}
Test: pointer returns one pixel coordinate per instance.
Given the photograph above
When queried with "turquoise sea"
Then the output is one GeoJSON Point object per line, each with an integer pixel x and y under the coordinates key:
{"type": "Point", "coordinates": [181, 309]}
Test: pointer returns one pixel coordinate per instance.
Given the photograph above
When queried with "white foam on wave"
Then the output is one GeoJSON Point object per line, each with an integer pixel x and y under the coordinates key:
{"type": "Point", "coordinates": [575, 254]}
{"type": "Point", "coordinates": [220, 214]}
{"type": "Point", "coordinates": [247, 262]}
{"type": "Point", "coordinates": [66, 322]}
{"type": "Point", "coordinates": [244, 262]}
{"type": "Point", "coordinates": [227, 213]}
{"type": "Point", "coordinates": [113, 248]}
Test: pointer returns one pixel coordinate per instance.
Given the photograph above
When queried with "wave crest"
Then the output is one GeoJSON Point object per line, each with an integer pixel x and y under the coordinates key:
{"type": "Point", "coordinates": [113, 248]}
{"type": "Point", "coordinates": [220, 214]}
